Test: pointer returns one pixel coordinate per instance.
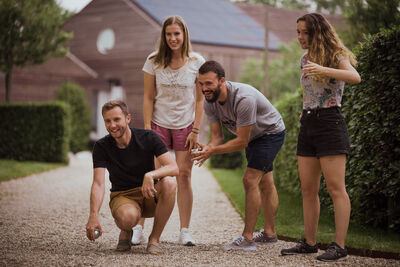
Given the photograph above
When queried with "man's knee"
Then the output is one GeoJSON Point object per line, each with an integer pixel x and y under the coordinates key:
{"type": "Point", "coordinates": [250, 182]}
{"type": "Point", "coordinates": [267, 182]}
{"type": "Point", "coordinates": [167, 185]}
{"type": "Point", "coordinates": [127, 215]}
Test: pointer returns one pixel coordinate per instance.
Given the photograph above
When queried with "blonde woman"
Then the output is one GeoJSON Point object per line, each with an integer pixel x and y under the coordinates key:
{"type": "Point", "coordinates": [173, 108]}
{"type": "Point", "coordinates": [323, 141]}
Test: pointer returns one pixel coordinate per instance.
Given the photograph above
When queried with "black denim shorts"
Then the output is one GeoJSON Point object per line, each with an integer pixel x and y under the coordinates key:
{"type": "Point", "coordinates": [261, 152]}
{"type": "Point", "coordinates": [323, 132]}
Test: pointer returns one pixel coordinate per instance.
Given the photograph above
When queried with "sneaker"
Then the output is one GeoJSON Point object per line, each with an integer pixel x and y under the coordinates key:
{"type": "Point", "coordinates": [333, 253]}
{"type": "Point", "coordinates": [300, 248]}
{"type": "Point", "coordinates": [263, 238]}
{"type": "Point", "coordinates": [185, 238]}
{"type": "Point", "coordinates": [241, 243]}
{"type": "Point", "coordinates": [138, 235]}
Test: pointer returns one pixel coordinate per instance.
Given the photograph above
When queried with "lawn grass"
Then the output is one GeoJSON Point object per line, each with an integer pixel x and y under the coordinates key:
{"type": "Point", "coordinates": [10, 169]}
{"type": "Point", "coordinates": [289, 220]}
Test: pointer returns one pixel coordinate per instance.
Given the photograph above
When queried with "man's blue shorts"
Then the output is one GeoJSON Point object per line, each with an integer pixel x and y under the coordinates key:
{"type": "Point", "coordinates": [261, 152]}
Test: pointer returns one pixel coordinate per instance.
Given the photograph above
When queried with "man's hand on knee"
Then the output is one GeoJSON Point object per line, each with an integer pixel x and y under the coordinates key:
{"type": "Point", "coordinates": [148, 189]}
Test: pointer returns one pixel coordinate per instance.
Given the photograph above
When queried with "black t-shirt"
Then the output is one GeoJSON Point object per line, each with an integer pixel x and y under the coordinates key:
{"type": "Point", "coordinates": [128, 166]}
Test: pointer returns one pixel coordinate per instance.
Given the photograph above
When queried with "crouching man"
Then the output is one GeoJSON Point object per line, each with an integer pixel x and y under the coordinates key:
{"type": "Point", "coordinates": [137, 189]}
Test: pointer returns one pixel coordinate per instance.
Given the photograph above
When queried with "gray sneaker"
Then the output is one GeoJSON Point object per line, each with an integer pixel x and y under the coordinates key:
{"type": "Point", "coordinates": [333, 253]}
{"type": "Point", "coordinates": [263, 238]}
{"type": "Point", "coordinates": [241, 243]}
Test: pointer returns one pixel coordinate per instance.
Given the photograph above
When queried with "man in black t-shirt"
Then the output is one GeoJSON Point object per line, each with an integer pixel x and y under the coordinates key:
{"type": "Point", "coordinates": [136, 188]}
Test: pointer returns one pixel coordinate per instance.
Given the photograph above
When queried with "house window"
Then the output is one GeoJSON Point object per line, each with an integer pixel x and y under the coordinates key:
{"type": "Point", "coordinates": [105, 41]}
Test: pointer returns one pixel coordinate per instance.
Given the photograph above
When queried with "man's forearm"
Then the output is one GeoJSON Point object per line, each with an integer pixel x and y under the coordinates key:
{"type": "Point", "coordinates": [96, 199]}
{"type": "Point", "coordinates": [235, 144]}
{"type": "Point", "coordinates": [167, 170]}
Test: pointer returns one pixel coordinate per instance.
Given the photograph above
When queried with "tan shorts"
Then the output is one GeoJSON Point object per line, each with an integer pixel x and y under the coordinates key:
{"type": "Point", "coordinates": [134, 196]}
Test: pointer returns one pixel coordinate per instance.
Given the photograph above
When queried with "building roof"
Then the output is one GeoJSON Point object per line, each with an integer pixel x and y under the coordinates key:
{"type": "Point", "coordinates": [216, 22]}
{"type": "Point", "coordinates": [282, 21]}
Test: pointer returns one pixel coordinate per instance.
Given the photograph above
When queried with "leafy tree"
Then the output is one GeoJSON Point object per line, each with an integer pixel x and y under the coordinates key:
{"type": "Point", "coordinates": [284, 72]}
{"type": "Point", "coordinates": [368, 17]}
{"type": "Point", "coordinates": [333, 7]}
{"type": "Point", "coordinates": [29, 34]}
{"type": "Point", "coordinates": [253, 73]}
{"type": "Point", "coordinates": [74, 95]}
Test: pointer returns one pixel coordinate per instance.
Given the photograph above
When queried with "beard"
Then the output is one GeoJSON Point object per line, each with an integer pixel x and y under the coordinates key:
{"type": "Point", "coordinates": [118, 134]}
{"type": "Point", "coordinates": [216, 94]}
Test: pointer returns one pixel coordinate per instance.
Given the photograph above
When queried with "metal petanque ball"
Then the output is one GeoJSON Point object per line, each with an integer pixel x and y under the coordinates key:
{"type": "Point", "coordinates": [96, 234]}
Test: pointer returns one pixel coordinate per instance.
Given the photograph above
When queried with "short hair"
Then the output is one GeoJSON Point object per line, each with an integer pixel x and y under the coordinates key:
{"type": "Point", "coordinates": [213, 66]}
{"type": "Point", "coordinates": [115, 103]}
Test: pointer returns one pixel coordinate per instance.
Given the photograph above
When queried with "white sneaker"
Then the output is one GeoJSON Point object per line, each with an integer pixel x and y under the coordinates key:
{"type": "Point", "coordinates": [185, 238]}
{"type": "Point", "coordinates": [138, 235]}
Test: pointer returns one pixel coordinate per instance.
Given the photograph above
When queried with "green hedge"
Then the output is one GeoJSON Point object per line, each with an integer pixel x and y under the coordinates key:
{"type": "Point", "coordinates": [285, 165]}
{"type": "Point", "coordinates": [74, 95]}
{"type": "Point", "coordinates": [231, 160]}
{"type": "Point", "coordinates": [371, 110]}
{"type": "Point", "coordinates": [373, 114]}
{"type": "Point", "coordinates": [34, 131]}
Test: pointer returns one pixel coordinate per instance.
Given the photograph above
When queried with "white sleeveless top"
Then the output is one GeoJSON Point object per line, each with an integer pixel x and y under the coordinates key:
{"type": "Point", "coordinates": [174, 106]}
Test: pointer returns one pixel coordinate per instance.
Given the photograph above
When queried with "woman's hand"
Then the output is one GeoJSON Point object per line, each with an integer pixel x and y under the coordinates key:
{"type": "Point", "coordinates": [191, 140]}
{"type": "Point", "coordinates": [312, 68]}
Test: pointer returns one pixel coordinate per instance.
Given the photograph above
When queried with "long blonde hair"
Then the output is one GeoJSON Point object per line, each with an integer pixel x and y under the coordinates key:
{"type": "Point", "coordinates": [164, 54]}
{"type": "Point", "coordinates": [324, 47]}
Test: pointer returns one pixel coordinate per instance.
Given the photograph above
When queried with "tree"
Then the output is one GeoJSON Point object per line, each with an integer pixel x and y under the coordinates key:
{"type": "Point", "coordinates": [368, 17]}
{"type": "Point", "coordinates": [284, 72]}
{"type": "Point", "coordinates": [333, 7]}
{"type": "Point", "coordinates": [74, 95]}
{"type": "Point", "coordinates": [29, 34]}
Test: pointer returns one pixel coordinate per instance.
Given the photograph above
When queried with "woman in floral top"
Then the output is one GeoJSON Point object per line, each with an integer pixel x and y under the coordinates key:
{"type": "Point", "coordinates": [323, 141]}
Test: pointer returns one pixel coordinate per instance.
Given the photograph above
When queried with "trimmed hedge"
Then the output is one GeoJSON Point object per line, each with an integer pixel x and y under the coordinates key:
{"type": "Point", "coordinates": [231, 160]}
{"type": "Point", "coordinates": [34, 131]}
{"type": "Point", "coordinates": [371, 110]}
{"type": "Point", "coordinates": [373, 114]}
{"type": "Point", "coordinates": [74, 95]}
{"type": "Point", "coordinates": [285, 165]}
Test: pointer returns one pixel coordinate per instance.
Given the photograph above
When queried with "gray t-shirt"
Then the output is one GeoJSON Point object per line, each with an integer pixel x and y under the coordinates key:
{"type": "Point", "coordinates": [245, 106]}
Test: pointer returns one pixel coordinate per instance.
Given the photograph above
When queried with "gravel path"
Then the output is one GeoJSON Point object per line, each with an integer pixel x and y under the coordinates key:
{"type": "Point", "coordinates": [43, 218]}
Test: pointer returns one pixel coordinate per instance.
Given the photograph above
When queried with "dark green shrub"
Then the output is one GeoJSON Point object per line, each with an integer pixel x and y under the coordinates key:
{"type": "Point", "coordinates": [372, 111]}
{"type": "Point", "coordinates": [72, 94]}
{"type": "Point", "coordinates": [285, 165]}
{"type": "Point", "coordinates": [34, 131]}
{"type": "Point", "coordinates": [231, 160]}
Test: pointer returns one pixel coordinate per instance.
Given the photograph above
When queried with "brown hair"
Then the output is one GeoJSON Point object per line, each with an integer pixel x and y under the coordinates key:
{"type": "Point", "coordinates": [164, 54]}
{"type": "Point", "coordinates": [115, 103]}
{"type": "Point", "coordinates": [212, 66]}
{"type": "Point", "coordinates": [324, 47]}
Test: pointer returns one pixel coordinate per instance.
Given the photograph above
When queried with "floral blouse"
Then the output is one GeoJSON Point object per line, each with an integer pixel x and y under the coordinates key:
{"type": "Point", "coordinates": [317, 94]}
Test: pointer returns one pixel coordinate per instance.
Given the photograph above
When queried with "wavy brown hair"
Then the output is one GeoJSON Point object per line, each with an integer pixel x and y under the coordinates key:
{"type": "Point", "coordinates": [324, 45]}
{"type": "Point", "coordinates": [164, 54]}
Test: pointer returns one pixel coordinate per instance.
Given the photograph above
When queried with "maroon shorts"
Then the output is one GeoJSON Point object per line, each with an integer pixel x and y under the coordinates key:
{"type": "Point", "coordinates": [173, 138]}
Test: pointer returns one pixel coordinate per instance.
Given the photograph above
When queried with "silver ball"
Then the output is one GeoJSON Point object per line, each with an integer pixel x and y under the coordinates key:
{"type": "Point", "coordinates": [96, 234]}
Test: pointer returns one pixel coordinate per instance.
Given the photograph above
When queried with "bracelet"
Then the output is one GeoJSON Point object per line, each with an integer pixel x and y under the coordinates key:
{"type": "Point", "coordinates": [195, 132]}
{"type": "Point", "coordinates": [195, 128]}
